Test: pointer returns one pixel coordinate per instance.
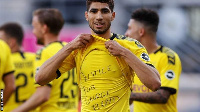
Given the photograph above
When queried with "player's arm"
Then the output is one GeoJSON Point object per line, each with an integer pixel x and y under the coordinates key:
{"type": "Point", "coordinates": [148, 75]}
{"type": "Point", "coordinates": [47, 71]}
{"type": "Point", "coordinates": [159, 96]}
{"type": "Point", "coordinates": [8, 75]}
{"type": "Point", "coordinates": [40, 96]}
{"type": "Point", "coordinates": [9, 82]}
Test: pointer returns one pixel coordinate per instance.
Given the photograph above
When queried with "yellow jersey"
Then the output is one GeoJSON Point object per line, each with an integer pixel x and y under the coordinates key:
{"type": "Point", "coordinates": [24, 66]}
{"type": "Point", "coordinates": [64, 90]}
{"type": "Point", "coordinates": [104, 79]}
{"type": "Point", "coordinates": [6, 64]}
{"type": "Point", "coordinates": [168, 64]}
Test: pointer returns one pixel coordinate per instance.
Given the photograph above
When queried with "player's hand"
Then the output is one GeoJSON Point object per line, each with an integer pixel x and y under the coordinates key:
{"type": "Point", "coordinates": [114, 48]}
{"type": "Point", "coordinates": [81, 41]}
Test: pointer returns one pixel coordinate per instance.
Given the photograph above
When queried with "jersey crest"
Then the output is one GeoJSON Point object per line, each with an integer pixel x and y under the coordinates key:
{"type": "Point", "coordinates": [145, 57]}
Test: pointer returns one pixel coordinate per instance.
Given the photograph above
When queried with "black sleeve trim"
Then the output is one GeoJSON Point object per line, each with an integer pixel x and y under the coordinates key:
{"type": "Point", "coordinates": [61, 43]}
{"type": "Point", "coordinates": [172, 90]}
{"type": "Point", "coordinates": [58, 74]}
{"type": "Point", "coordinates": [150, 65]}
{"type": "Point", "coordinates": [8, 73]}
{"type": "Point", "coordinates": [49, 85]}
{"type": "Point", "coordinates": [160, 49]}
{"type": "Point", "coordinates": [113, 36]}
{"type": "Point", "coordinates": [22, 55]}
{"type": "Point", "coordinates": [44, 85]}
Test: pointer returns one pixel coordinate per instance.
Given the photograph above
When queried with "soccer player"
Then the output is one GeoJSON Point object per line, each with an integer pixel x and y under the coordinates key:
{"type": "Point", "coordinates": [60, 95]}
{"type": "Point", "coordinates": [7, 79]}
{"type": "Point", "coordinates": [143, 26]}
{"type": "Point", "coordinates": [12, 34]}
{"type": "Point", "coordinates": [105, 63]}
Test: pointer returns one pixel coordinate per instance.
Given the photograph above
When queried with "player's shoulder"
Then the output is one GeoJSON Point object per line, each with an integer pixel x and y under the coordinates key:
{"type": "Point", "coordinates": [127, 40]}
{"type": "Point", "coordinates": [169, 54]}
{"type": "Point", "coordinates": [29, 54]}
{"type": "Point", "coordinates": [51, 47]}
{"type": "Point", "coordinates": [57, 44]}
{"type": "Point", "coordinates": [24, 55]}
{"type": "Point", "coordinates": [122, 37]}
{"type": "Point", "coordinates": [168, 51]}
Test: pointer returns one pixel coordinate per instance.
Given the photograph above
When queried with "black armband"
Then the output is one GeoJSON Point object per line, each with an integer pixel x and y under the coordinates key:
{"type": "Point", "coordinates": [150, 65]}
{"type": "Point", "coordinates": [58, 74]}
{"type": "Point", "coordinates": [172, 90]}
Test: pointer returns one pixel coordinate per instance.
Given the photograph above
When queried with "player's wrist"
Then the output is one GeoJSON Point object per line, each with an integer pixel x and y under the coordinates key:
{"type": "Point", "coordinates": [69, 47]}
{"type": "Point", "coordinates": [123, 52]}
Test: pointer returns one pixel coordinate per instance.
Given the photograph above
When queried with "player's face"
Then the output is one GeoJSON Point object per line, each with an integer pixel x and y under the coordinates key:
{"type": "Point", "coordinates": [37, 30]}
{"type": "Point", "coordinates": [99, 17]}
{"type": "Point", "coordinates": [133, 30]}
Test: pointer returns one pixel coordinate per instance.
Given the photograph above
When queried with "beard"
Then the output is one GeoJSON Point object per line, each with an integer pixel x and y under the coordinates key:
{"type": "Point", "coordinates": [100, 31]}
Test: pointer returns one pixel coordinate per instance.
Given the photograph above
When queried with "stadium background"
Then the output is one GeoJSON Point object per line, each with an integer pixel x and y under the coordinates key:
{"type": "Point", "coordinates": [179, 29]}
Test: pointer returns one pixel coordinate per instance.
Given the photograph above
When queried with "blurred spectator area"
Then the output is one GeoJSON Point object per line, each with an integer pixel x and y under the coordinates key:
{"type": "Point", "coordinates": [72, 10]}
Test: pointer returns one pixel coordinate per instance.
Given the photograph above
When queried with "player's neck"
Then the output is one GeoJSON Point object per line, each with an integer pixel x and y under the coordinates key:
{"type": "Point", "coordinates": [49, 38]}
{"type": "Point", "coordinates": [15, 48]}
{"type": "Point", "coordinates": [151, 48]}
{"type": "Point", "coordinates": [150, 44]}
{"type": "Point", "coordinates": [106, 35]}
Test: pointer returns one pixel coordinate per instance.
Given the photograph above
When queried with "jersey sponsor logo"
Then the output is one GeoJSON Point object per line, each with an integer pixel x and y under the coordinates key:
{"type": "Point", "coordinates": [140, 88]}
{"type": "Point", "coordinates": [170, 75]}
{"type": "Point", "coordinates": [145, 57]}
{"type": "Point", "coordinates": [27, 64]}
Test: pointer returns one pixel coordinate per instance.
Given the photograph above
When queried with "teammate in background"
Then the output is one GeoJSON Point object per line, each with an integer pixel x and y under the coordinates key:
{"type": "Point", "coordinates": [7, 79]}
{"type": "Point", "coordinates": [12, 34]}
{"type": "Point", "coordinates": [143, 26]}
{"type": "Point", "coordinates": [104, 67]}
{"type": "Point", "coordinates": [60, 94]}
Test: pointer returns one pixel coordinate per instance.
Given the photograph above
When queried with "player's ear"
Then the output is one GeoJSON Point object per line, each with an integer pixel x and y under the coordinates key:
{"type": "Point", "coordinates": [141, 32]}
{"type": "Point", "coordinates": [45, 28]}
{"type": "Point", "coordinates": [113, 16]}
{"type": "Point", "coordinates": [86, 15]}
{"type": "Point", "coordinates": [12, 42]}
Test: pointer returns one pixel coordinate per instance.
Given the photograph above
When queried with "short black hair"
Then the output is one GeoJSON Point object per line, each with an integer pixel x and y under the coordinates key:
{"type": "Point", "coordinates": [147, 17]}
{"type": "Point", "coordinates": [109, 2]}
{"type": "Point", "coordinates": [13, 30]}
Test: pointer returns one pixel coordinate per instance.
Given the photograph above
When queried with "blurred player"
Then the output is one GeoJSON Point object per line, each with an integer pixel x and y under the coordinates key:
{"type": "Point", "coordinates": [143, 26]}
{"type": "Point", "coordinates": [60, 95]}
{"type": "Point", "coordinates": [7, 79]}
{"type": "Point", "coordinates": [105, 63]}
{"type": "Point", "coordinates": [12, 33]}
